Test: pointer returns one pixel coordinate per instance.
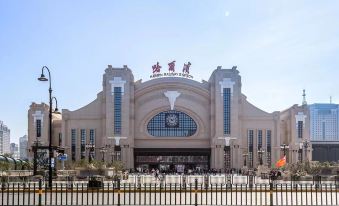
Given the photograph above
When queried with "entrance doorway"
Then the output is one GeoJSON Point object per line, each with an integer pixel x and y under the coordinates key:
{"type": "Point", "coordinates": [172, 160]}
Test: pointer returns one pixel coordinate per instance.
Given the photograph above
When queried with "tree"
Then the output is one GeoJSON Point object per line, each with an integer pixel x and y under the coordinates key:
{"type": "Point", "coordinates": [4, 166]}
{"type": "Point", "coordinates": [326, 168]}
{"type": "Point", "coordinates": [69, 164]}
{"type": "Point", "coordinates": [82, 163]}
{"type": "Point", "coordinates": [313, 168]}
{"type": "Point", "coordinates": [98, 164]}
{"type": "Point", "coordinates": [8, 155]}
{"type": "Point", "coordinates": [117, 166]}
{"type": "Point", "coordinates": [28, 165]}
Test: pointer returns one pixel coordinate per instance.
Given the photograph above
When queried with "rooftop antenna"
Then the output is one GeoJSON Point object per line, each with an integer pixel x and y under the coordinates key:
{"type": "Point", "coordinates": [330, 99]}
{"type": "Point", "coordinates": [304, 98]}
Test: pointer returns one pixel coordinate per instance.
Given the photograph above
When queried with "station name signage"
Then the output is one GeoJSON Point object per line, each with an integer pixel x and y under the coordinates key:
{"type": "Point", "coordinates": [171, 71]}
{"type": "Point", "coordinates": [171, 74]}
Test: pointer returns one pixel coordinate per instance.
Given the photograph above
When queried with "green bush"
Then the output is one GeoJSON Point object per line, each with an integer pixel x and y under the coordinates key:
{"type": "Point", "coordinates": [4, 166]}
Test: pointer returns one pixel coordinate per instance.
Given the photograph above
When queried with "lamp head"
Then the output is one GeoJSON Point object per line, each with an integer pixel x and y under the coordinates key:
{"type": "Point", "coordinates": [56, 111]}
{"type": "Point", "coordinates": [42, 78]}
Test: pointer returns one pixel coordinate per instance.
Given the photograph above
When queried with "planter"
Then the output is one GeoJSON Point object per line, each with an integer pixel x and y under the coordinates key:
{"type": "Point", "coordinates": [95, 182]}
{"type": "Point", "coordinates": [84, 172]}
{"type": "Point", "coordinates": [305, 178]}
{"type": "Point", "coordinates": [295, 178]}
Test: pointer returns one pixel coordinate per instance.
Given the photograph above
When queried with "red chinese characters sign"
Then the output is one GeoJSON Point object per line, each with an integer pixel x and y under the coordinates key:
{"type": "Point", "coordinates": [171, 71]}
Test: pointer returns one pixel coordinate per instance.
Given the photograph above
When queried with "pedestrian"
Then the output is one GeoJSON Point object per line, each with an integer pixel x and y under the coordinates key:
{"type": "Point", "coordinates": [157, 175]}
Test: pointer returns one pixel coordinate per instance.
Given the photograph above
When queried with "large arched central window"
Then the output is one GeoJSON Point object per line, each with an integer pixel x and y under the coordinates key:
{"type": "Point", "coordinates": [171, 124]}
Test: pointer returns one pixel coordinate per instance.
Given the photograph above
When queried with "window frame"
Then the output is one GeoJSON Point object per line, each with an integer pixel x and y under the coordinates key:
{"type": "Point", "coordinates": [187, 126]}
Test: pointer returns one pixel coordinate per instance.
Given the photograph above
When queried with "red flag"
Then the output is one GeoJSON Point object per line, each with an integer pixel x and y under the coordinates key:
{"type": "Point", "coordinates": [281, 162]}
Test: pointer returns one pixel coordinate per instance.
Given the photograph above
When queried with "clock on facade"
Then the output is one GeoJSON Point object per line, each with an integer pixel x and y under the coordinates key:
{"type": "Point", "coordinates": [172, 120]}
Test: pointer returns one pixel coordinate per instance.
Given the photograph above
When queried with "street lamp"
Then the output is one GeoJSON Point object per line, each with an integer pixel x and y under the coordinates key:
{"type": "Point", "coordinates": [300, 151]}
{"type": "Point", "coordinates": [245, 158]}
{"type": "Point", "coordinates": [117, 147]}
{"type": "Point", "coordinates": [56, 110]}
{"type": "Point", "coordinates": [227, 151]}
{"type": "Point", "coordinates": [44, 79]}
{"type": "Point", "coordinates": [112, 155]}
{"type": "Point", "coordinates": [260, 154]}
{"type": "Point", "coordinates": [284, 148]}
{"type": "Point", "coordinates": [90, 147]}
{"type": "Point", "coordinates": [306, 146]}
{"type": "Point", "coordinates": [35, 154]}
{"type": "Point", "coordinates": [103, 150]}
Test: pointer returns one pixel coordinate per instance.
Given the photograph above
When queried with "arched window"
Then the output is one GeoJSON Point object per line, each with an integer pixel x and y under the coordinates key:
{"type": "Point", "coordinates": [171, 124]}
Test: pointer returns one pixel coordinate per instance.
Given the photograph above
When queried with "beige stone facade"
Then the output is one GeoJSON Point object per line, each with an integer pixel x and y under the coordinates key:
{"type": "Point", "coordinates": [217, 107]}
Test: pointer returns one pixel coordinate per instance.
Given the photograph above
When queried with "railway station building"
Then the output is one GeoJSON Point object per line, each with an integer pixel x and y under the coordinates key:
{"type": "Point", "coordinates": [174, 123]}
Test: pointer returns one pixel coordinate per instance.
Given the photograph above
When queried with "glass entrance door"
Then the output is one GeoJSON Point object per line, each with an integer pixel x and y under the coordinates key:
{"type": "Point", "coordinates": [173, 164]}
{"type": "Point", "coordinates": [173, 160]}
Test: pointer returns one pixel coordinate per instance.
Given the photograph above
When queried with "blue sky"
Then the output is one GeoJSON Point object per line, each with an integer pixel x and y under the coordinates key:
{"type": "Point", "coordinates": [280, 48]}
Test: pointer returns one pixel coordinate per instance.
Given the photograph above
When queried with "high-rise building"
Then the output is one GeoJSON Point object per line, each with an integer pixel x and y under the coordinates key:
{"type": "Point", "coordinates": [14, 150]}
{"type": "Point", "coordinates": [324, 131]}
{"type": "Point", "coordinates": [324, 122]}
{"type": "Point", "coordinates": [5, 135]}
{"type": "Point", "coordinates": [23, 147]}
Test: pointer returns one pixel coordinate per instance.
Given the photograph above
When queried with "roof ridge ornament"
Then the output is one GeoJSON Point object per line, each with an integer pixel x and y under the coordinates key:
{"type": "Point", "coordinates": [172, 96]}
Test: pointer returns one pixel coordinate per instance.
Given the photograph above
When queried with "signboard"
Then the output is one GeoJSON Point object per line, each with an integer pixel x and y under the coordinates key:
{"type": "Point", "coordinates": [174, 74]}
{"type": "Point", "coordinates": [180, 168]}
{"type": "Point", "coordinates": [171, 71]}
{"type": "Point", "coordinates": [42, 158]}
{"type": "Point", "coordinates": [62, 157]}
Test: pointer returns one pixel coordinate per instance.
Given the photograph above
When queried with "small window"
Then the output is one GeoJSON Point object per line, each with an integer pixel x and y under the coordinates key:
{"type": "Point", "coordinates": [38, 128]}
{"type": "Point", "coordinates": [300, 129]}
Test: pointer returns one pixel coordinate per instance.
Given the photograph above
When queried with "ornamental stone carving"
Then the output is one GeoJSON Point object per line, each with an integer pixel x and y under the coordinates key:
{"type": "Point", "coordinates": [172, 96]}
{"type": "Point", "coordinates": [226, 83]}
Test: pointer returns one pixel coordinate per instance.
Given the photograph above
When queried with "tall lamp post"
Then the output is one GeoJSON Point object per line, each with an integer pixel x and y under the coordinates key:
{"type": "Point", "coordinates": [227, 151]}
{"type": "Point", "coordinates": [50, 149]}
{"type": "Point", "coordinates": [284, 148]}
{"type": "Point", "coordinates": [260, 154]}
{"type": "Point", "coordinates": [300, 152]}
{"type": "Point", "coordinates": [245, 158]}
{"type": "Point", "coordinates": [112, 155]}
{"type": "Point", "coordinates": [35, 156]}
{"type": "Point", "coordinates": [306, 146]}
{"type": "Point", "coordinates": [117, 147]}
{"type": "Point", "coordinates": [103, 150]}
{"type": "Point", "coordinates": [91, 148]}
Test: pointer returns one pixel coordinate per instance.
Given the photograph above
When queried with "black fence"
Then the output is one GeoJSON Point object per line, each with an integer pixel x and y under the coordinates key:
{"type": "Point", "coordinates": [115, 193]}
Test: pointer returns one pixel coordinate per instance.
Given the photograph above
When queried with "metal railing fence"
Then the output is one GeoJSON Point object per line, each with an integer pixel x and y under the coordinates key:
{"type": "Point", "coordinates": [117, 193]}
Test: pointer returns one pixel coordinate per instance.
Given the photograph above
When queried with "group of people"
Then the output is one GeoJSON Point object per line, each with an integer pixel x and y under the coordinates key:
{"type": "Point", "coordinates": [196, 171]}
{"type": "Point", "coordinates": [160, 174]}
{"type": "Point", "coordinates": [156, 174]}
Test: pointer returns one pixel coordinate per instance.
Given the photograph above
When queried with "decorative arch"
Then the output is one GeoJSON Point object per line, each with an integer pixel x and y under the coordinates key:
{"type": "Point", "coordinates": [172, 123]}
